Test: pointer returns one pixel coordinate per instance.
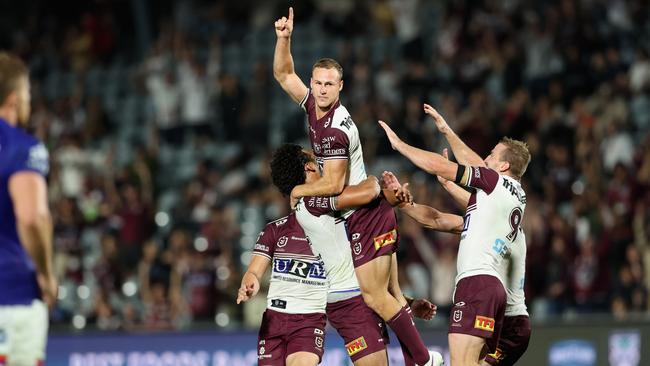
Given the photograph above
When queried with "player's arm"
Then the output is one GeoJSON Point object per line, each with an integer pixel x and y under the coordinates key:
{"type": "Point", "coordinates": [430, 162]}
{"type": "Point", "coordinates": [331, 183]}
{"type": "Point", "coordinates": [434, 219]}
{"type": "Point", "coordinates": [250, 283]}
{"type": "Point", "coordinates": [357, 195]}
{"type": "Point", "coordinates": [464, 155]}
{"type": "Point", "coordinates": [283, 69]}
{"type": "Point", "coordinates": [28, 192]}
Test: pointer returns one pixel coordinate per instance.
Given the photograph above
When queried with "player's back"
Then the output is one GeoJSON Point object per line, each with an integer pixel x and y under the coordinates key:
{"type": "Point", "coordinates": [18, 152]}
{"type": "Point", "coordinates": [298, 282]}
{"type": "Point", "coordinates": [492, 233]}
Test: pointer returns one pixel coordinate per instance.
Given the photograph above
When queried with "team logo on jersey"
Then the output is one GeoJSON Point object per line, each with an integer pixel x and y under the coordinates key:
{"type": "Point", "coordinates": [357, 248]}
{"type": "Point", "coordinates": [282, 241]}
{"type": "Point", "coordinates": [485, 323]}
{"type": "Point", "coordinates": [317, 148]}
{"type": "Point", "coordinates": [385, 239]}
{"type": "Point", "coordinates": [356, 346]}
{"type": "Point", "coordinates": [458, 316]}
{"type": "Point", "coordinates": [319, 342]}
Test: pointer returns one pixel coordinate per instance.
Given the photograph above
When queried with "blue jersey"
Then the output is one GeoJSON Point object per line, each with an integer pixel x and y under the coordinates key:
{"type": "Point", "coordinates": [18, 152]}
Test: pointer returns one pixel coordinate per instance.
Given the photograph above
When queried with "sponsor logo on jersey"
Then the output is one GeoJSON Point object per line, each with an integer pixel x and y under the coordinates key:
{"type": "Point", "coordinates": [330, 152]}
{"type": "Point", "coordinates": [356, 346]}
{"type": "Point", "coordinates": [299, 268]}
{"type": "Point", "coordinates": [261, 247]}
{"type": "Point", "coordinates": [277, 303]}
{"type": "Point", "coordinates": [460, 304]}
{"type": "Point", "coordinates": [477, 173]}
{"type": "Point", "coordinates": [458, 315]}
{"type": "Point", "coordinates": [485, 323]}
{"type": "Point", "coordinates": [385, 239]}
{"type": "Point", "coordinates": [298, 238]}
{"type": "Point", "coordinates": [319, 202]}
{"type": "Point", "coordinates": [356, 236]}
{"type": "Point", "coordinates": [38, 159]}
{"type": "Point", "coordinates": [501, 249]}
{"type": "Point", "coordinates": [280, 223]}
{"type": "Point", "coordinates": [319, 342]}
{"type": "Point", "coordinates": [282, 241]}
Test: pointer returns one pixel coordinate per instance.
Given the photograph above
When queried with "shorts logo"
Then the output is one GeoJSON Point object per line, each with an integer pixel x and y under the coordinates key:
{"type": "Point", "coordinates": [282, 241]}
{"type": "Point", "coordinates": [319, 342]}
{"type": "Point", "coordinates": [356, 346]}
{"type": "Point", "coordinates": [318, 331]}
{"type": "Point", "coordinates": [485, 323]}
{"type": "Point", "coordinates": [460, 304]}
{"type": "Point", "coordinates": [497, 355]}
{"type": "Point", "coordinates": [262, 350]}
{"type": "Point", "coordinates": [357, 248]}
{"type": "Point", "coordinates": [356, 236]}
{"type": "Point", "coordinates": [458, 315]}
{"type": "Point", "coordinates": [385, 239]}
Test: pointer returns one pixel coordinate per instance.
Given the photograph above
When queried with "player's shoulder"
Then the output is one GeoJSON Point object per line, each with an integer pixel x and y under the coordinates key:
{"type": "Point", "coordinates": [341, 118]}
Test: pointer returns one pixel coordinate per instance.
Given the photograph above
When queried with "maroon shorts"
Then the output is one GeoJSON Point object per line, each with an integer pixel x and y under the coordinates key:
{"type": "Point", "coordinates": [479, 307]}
{"type": "Point", "coordinates": [282, 334]}
{"type": "Point", "coordinates": [372, 231]}
{"type": "Point", "coordinates": [513, 341]}
{"type": "Point", "coordinates": [363, 331]}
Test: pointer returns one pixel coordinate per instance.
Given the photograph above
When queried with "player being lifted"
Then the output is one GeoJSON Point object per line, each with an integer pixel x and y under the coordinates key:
{"type": "Point", "coordinates": [26, 273]}
{"type": "Point", "coordinates": [362, 330]}
{"type": "Point", "coordinates": [491, 236]}
{"type": "Point", "coordinates": [372, 228]}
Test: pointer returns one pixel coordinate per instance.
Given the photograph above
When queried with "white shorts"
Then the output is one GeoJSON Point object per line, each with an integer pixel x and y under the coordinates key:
{"type": "Point", "coordinates": [23, 334]}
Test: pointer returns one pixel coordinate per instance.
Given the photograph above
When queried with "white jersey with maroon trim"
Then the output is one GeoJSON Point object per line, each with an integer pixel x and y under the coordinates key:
{"type": "Point", "coordinates": [328, 239]}
{"type": "Point", "coordinates": [492, 235]}
{"type": "Point", "coordinates": [335, 136]}
{"type": "Point", "coordinates": [298, 280]}
{"type": "Point", "coordinates": [516, 304]}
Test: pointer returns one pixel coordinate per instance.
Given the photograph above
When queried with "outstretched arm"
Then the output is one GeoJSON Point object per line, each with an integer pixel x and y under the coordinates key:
{"type": "Point", "coordinates": [460, 195]}
{"type": "Point", "coordinates": [331, 183]}
{"type": "Point", "coordinates": [283, 69]}
{"type": "Point", "coordinates": [250, 283]}
{"type": "Point", "coordinates": [430, 162]}
{"type": "Point", "coordinates": [464, 155]}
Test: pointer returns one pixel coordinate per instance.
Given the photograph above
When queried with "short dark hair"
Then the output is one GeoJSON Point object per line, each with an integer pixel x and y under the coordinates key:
{"type": "Point", "coordinates": [288, 167]}
{"type": "Point", "coordinates": [328, 63]}
{"type": "Point", "coordinates": [12, 69]}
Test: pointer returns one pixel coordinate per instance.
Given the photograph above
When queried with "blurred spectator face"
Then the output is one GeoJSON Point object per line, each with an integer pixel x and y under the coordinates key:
{"type": "Point", "coordinates": [326, 85]}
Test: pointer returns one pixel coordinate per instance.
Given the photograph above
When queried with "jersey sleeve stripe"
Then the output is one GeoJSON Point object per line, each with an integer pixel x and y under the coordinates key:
{"type": "Point", "coordinates": [304, 100]}
{"type": "Point", "coordinates": [336, 158]}
{"type": "Point", "coordinates": [262, 254]}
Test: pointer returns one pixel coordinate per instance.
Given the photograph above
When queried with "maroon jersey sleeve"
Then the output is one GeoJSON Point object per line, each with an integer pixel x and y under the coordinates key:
{"type": "Point", "coordinates": [335, 145]}
{"type": "Point", "coordinates": [482, 178]}
{"type": "Point", "coordinates": [308, 103]}
{"type": "Point", "coordinates": [265, 244]}
{"type": "Point", "coordinates": [318, 206]}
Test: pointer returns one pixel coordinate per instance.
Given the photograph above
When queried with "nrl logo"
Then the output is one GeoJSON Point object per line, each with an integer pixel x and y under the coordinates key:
{"type": "Point", "coordinates": [458, 316]}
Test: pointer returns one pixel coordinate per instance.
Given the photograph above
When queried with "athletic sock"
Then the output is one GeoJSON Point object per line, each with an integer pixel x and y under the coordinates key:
{"type": "Point", "coordinates": [403, 326]}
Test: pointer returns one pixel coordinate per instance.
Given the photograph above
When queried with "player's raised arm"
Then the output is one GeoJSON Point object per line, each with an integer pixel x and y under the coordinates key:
{"type": "Point", "coordinates": [357, 195]}
{"type": "Point", "coordinates": [283, 69]}
{"type": "Point", "coordinates": [331, 183]}
{"type": "Point", "coordinates": [430, 162]}
{"type": "Point", "coordinates": [250, 282]}
{"type": "Point", "coordinates": [460, 195]}
{"type": "Point", "coordinates": [28, 192]}
{"type": "Point", "coordinates": [464, 155]}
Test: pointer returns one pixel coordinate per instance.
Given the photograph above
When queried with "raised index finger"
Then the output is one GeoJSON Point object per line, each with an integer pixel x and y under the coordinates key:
{"type": "Point", "coordinates": [291, 13]}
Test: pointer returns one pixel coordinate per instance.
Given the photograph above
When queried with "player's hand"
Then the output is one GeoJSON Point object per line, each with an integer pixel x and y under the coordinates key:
{"type": "Point", "coordinates": [49, 289]}
{"type": "Point", "coordinates": [294, 199]}
{"type": "Point", "coordinates": [423, 309]}
{"type": "Point", "coordinates": [392, 137]}
{"type": "Point", "coordinates": [389, 181]}
{"type": "Point", "coordinates": [247, 290]}
{"type": "Point", "coordinates": [440, 122]}
{"type": "Point", "coordinates": [442, 180]}
{"type": "Point", "coordinates": [284, 25]}
{"type": "Point", "coordinates": [402, 193]}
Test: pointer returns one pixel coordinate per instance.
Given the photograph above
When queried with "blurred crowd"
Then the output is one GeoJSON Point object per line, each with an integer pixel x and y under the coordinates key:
{"type": "Point", "coordinates": [159, 147]}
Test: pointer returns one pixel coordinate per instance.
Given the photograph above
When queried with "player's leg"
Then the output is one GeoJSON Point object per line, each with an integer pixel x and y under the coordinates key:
{"type": "Point", "coordinates": [27, 334]}
{"type": "Point", "coordinates": [373, 279]}
{"type": "Point", "coordinates": [513, 341]}
{"type": "Point", "coordinates": [379, 358]}
{"type": "Point", "coordinates": [393, 281]}
{"type": "Point", "coordinates": [302, 359]}
{"type": "Point", "coordinates": [271, 347]}
{"type": "Point", "coordinates": [465, 349]}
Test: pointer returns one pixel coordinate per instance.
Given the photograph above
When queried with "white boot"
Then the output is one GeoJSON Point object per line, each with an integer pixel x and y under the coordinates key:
{"type": "Point", "coordinates": [435, 359]}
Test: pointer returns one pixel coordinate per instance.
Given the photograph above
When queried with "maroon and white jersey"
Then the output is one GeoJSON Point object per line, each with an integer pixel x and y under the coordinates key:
{"type": "Point", "coordinates": [492, 233]}
{"type": "Point", "coordinates": [298, 282]}
{"type": "Point", "coordinates": [329, 240]}
{"type": "Point", "coordinates": [335, 136]}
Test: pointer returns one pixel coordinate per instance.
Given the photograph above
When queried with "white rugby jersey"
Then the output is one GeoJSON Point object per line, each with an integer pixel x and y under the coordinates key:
{"type": "Point", "coordinates": [298, 281]}
{"type": "Point", "coordinates": [328, 239]}
{"type": "Point", "coordinates": [516, 304]}
{"type": "Point", "coordinates": [492, 233]}
{"type": "Point", "coordinates": [335, 136]}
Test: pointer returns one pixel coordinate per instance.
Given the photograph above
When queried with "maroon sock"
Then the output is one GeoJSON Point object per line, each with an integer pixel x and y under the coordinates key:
{"type": "Point", "coordinates": [408, 359]}
{"type": "Point", "coordinates": [403, 326]}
